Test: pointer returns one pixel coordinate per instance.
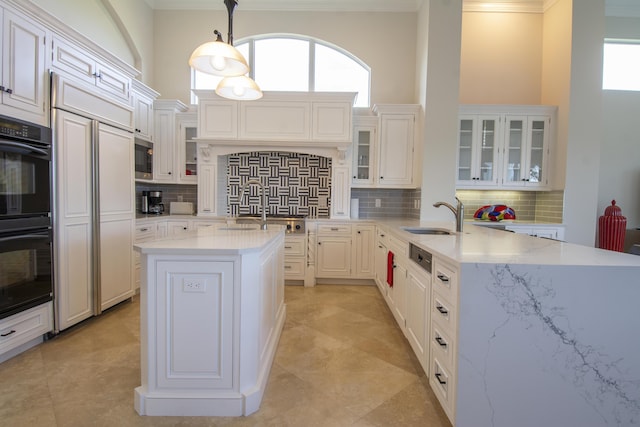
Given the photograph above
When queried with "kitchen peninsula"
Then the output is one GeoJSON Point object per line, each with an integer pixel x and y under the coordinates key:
{"type": "Point", "coordinates": [211, 312]}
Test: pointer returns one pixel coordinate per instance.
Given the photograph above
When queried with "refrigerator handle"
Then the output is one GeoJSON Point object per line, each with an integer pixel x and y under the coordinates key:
{"type": "Point", "coordinates": [95, 184]}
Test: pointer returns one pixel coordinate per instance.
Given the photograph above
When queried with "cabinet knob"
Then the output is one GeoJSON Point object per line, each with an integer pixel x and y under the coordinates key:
{"type": "Point", "coordinates": [354, 177]}
{"type": "Point", "coordinates": [359, 232]}
{"type": "Point", "coordinates": [382, 177]}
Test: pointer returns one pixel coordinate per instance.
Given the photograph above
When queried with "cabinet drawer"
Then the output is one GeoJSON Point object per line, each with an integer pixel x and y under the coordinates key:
{"type": "Point", "coordinates": [442, 383]}
{"type": "Point", "coordinates": [145, 233]}
{"type": "Point", "coordinates": [295, 247]}
{"type": "Point", "coordinates": [23, 327]}
{"type": "Point", "coordinates": [398, 247]}
{"type": "Point", "coordinates": [332, 229]}
{"type": "Point", "coordinates": [443, 312]}
{"type": "Point", "coordinates": [445, 281]}
{"type": "Point", "coordinates": [442, 343]}
{"type": "Point", "coordinates": [294, 268]}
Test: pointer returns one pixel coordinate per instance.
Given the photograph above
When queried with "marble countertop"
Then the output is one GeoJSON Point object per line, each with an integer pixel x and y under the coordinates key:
{"type": "Point", "coordinates": [221, 239]}
{"type": "Point", "coordinates": [481, 244]}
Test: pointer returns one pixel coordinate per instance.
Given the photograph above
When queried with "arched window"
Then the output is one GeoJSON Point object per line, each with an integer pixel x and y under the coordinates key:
{"type": "Point", "coordinates": [299, 64]}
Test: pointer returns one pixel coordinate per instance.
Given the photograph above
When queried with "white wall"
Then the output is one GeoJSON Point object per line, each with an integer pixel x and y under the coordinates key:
{"type": "Point", "coordinates": [385, 41]}
{"type": "Point", "coordinates": [501, 58]}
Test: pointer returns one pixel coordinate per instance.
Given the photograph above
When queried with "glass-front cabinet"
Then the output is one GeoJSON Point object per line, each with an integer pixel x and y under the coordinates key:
{"type": "Point", "coordinates": [505, 146]}
{"type": "Point", "coordinates": [526, 149]}
{"type": "Point", "coordinates": [478, 139]}
{"type": "Point", "coordinates": [186, 147]}
{"type": "Point", "coordinates": [364, 151]}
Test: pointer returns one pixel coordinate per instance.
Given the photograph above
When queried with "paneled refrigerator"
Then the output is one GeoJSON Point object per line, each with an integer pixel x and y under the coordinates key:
{"type": "Point", "coordinates": [94, 205]}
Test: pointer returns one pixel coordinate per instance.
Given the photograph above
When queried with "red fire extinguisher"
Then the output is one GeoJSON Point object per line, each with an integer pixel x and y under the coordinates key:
{"type": "Point", "coordinates": [611, 228]}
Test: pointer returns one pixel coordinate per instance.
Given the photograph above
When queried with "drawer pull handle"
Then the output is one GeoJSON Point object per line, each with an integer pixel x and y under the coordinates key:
{"type": "Point", "coordinates": [144, 229]}
{"type": "Point", "coordinates": [13, 331]}
{"type": "Point", "coordinates": [440, 341]}
{"type": "Point", "coordinates": [442, 310]}
{"type": "Point", "coordinates": [443, 278]}
{"type": "Point", "coordinates": [334, 229]}
{"type": "Point", "coordinates": [287, 267]}
{"type": "Point", "coordinates": [287, 247]}
{"type": "Point", "coordinates": [442, 382]}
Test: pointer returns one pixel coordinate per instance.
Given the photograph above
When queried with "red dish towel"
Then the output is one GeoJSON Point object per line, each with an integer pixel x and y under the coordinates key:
{"type": "Point", "coordinates": [390, 269]}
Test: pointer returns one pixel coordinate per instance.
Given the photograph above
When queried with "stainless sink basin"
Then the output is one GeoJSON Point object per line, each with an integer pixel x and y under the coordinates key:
{"type": "Point", "coordinates": [428, 230]}
{"type": "Point", "coordinates": [238, 228]}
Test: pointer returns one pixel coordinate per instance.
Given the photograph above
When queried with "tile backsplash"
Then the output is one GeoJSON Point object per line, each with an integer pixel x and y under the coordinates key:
{"type": "Point", "coordinates": [296, 184]}
{"type": "Point", "coordinates": [393, 203]}
{"type": "Point", "coordinates": [170, 193]}
{"type": "Point", "coordinates": [540, 206]}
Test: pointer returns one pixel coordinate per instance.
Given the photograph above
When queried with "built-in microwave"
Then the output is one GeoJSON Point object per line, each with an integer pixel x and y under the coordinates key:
{"type": "Point", "coordinates": [144, 159]}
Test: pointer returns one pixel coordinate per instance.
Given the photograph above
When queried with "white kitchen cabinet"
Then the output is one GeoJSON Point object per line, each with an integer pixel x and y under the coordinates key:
{"type": "Point", "coordinates": [340, 201]}
{"type": "Point", "coordinates": [186, 148]}
{"type": "Point", "coordinates": [546, 231]}
{"type": "Point", "coordinates": [24, 85]}
{"type": "Point", "coordinates": [443, 335]}
{"type": "Point", "coordinates": [380, 258]}
{"type": "Point", "coordinates": [76, 62]}
{"type": "Point", "coordinates": [144, 232]}
{"type": "Point", "coordinates": [24, 330]}
{"type": "Point", "coordinates": [478, 149]}
{"type": "Point", "coordinates": [363, 238]}
{"type": "Point", "coordinates": [165, 165]}
{"type": "Point", "coordinates": [396, 162]}
{"type": "Point", "coordinates": [143, 98]}
{"type": "Point", "coordinates": [397, 294]}
{"type": "Point", "coordinates": [417, 317]}
{"type": "Point", "coordinates": [331, 121]}
{"type": "Point", "coordinates": [333, 256]}
{"type": "Point", "coordinates": [217, 118]}
{"type": "Point", "coordinates": [206, 189]}
{"type": "Point", "coordinates": [505, 147]}
{"type": "Point", "coordinates": [526, 151]}
{"type": "Point", "coordinates": [295, 256]}
{"type": "Point", "coordinates": [365, 151]}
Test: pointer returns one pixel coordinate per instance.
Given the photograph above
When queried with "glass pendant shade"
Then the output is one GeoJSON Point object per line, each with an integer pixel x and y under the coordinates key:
{"type": "Point", "coordinates": [219, 58]}
{"type": "Point", "coordinates": [241, 88]}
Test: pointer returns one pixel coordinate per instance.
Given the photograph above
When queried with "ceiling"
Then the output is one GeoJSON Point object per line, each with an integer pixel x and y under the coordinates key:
{"type": "Point", "coordinates": [626, 8]}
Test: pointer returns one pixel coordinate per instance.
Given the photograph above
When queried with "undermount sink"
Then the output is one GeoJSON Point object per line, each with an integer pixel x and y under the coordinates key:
{"type": "Point", "coordinates": [428, 230]}
{"type": "Point", "coordinates": [238, 228]}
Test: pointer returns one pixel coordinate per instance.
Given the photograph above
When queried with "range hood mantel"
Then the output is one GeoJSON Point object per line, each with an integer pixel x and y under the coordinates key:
{"type": "Point", "coordinates": [310, 122]}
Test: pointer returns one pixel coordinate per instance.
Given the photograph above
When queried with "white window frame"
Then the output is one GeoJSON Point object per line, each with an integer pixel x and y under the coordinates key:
{"type": "Point", "coordinates": [312, 45]}
{"type": "Point", "coordinates": [632, 82]}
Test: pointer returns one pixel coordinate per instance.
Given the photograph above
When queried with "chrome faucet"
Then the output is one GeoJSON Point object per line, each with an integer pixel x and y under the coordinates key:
{"type": "Point", "coordinates": [263, 200]}
{"type": "Point", "coordinates": [457, 211]}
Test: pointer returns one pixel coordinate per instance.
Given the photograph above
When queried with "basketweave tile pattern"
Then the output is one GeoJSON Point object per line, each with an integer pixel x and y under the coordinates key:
{"type": "Point", "coordinates": [296, 183]}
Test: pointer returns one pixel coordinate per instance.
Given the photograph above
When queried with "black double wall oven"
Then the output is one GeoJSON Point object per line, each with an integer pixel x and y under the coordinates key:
{"type": "Point", "coordinates": [26, 261]}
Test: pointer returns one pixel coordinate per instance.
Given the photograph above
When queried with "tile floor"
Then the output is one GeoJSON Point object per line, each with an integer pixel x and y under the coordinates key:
{"type": "Point", "coordinates": [341, 361]}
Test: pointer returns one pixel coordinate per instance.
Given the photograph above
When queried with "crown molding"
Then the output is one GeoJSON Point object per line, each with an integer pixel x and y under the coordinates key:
{"type": "Point", "coordinates": [293, 5]}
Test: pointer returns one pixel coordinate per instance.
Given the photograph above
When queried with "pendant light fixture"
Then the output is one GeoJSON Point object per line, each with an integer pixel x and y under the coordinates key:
{"type": "Point", "coordinates": [222, 59]}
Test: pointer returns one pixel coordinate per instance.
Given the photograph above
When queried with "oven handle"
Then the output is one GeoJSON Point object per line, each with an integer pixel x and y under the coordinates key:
{"type": "Point", "coordinates": [25, 236]}
{"type": "Point", "coordinates": [26, 147]}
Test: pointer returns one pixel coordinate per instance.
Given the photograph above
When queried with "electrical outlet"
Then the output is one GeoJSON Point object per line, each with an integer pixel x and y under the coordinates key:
{"type": "Point", "coordinates": [193, 285]}
{"type": "Point", "coordinates": [378, 203]}
{"type": "Point", "coordinates": [180, 198]}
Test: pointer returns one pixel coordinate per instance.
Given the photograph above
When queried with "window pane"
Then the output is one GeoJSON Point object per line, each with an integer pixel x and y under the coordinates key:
{"type": "Point", "coordinates": [336, 72]}
{"type": "Point", "coordinates": [621, 66]}
{"type": "Point", "coordinates": [203, 81]}
{"type": "Point", "coordinates": [282, 64]}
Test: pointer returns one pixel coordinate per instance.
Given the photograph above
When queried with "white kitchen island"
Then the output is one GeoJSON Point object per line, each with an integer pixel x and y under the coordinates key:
{"type": "Point", "coordinates": [536, 332]}
{"type": "Point", "coordinates": [211, 312]}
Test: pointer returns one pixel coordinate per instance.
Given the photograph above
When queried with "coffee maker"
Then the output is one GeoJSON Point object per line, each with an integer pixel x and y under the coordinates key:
{"type": "Point", "coordinates": [152, 202]}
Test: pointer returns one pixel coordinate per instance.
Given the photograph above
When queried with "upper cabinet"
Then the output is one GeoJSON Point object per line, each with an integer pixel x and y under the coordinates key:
{"type": "Point", "coordinates": [78, 63]}
{"type": "Point", "coordinates": [384, 148]}
{"type": "Point", "coordinates": [478, 138]}
{"type": "Point", "coordinates": [166, 165]}
{"type": "Point", "coordinates": [186, 147]}
{"type": "Point", "coordinates": [505, 146]}
{"type": "Point", "coordinates": [289, 118]}
{"type": "Point", "coordinates": [143, 97]}
{"type": "Point", "coordinates": [24, 86]}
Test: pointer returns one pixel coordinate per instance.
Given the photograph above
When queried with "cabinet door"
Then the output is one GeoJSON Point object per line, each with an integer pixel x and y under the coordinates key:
{"type": "Point", "coordinates": [396, 150]}
{"type": "Point", "coordinates": [364, 149]}
{"type": "Point", "coordinates": [117, 215]}
{"type": "Point", "coordinates": [143, 110]}
{"type": "Point", "coordinates": [187, 151]}
{"type": "Point", "coordinates": [163, 147]}
{"type": "Point", "coordinates": [218, 119]}
{"type": "Point", "coordinates": [334, 257]}
{"type": "Point", "coordinates": [331, 121]}
{"type": "Point", "coordinates": [113, 82]}
{"type": "Point", "coordinates": [175, 228]}
{"type": "Point", "coordinates": [207, 189]}
{"type": "Point", "coordinates": [340, 192]}
{"type": "Point", "coordinates": [526, 151]}
{"type": "Point", "coordinates": [478, 149]}
{"type": "Point", "coordinates": [73, 225]}
{"type": "Point", "coordinates": [397, 294]}
{"type": "Point", "coordinates": [363, 251]}
{"type": "Point", "coordinates": [418, 290]}
{"type": "Point", "coordinates": [24, 76]}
